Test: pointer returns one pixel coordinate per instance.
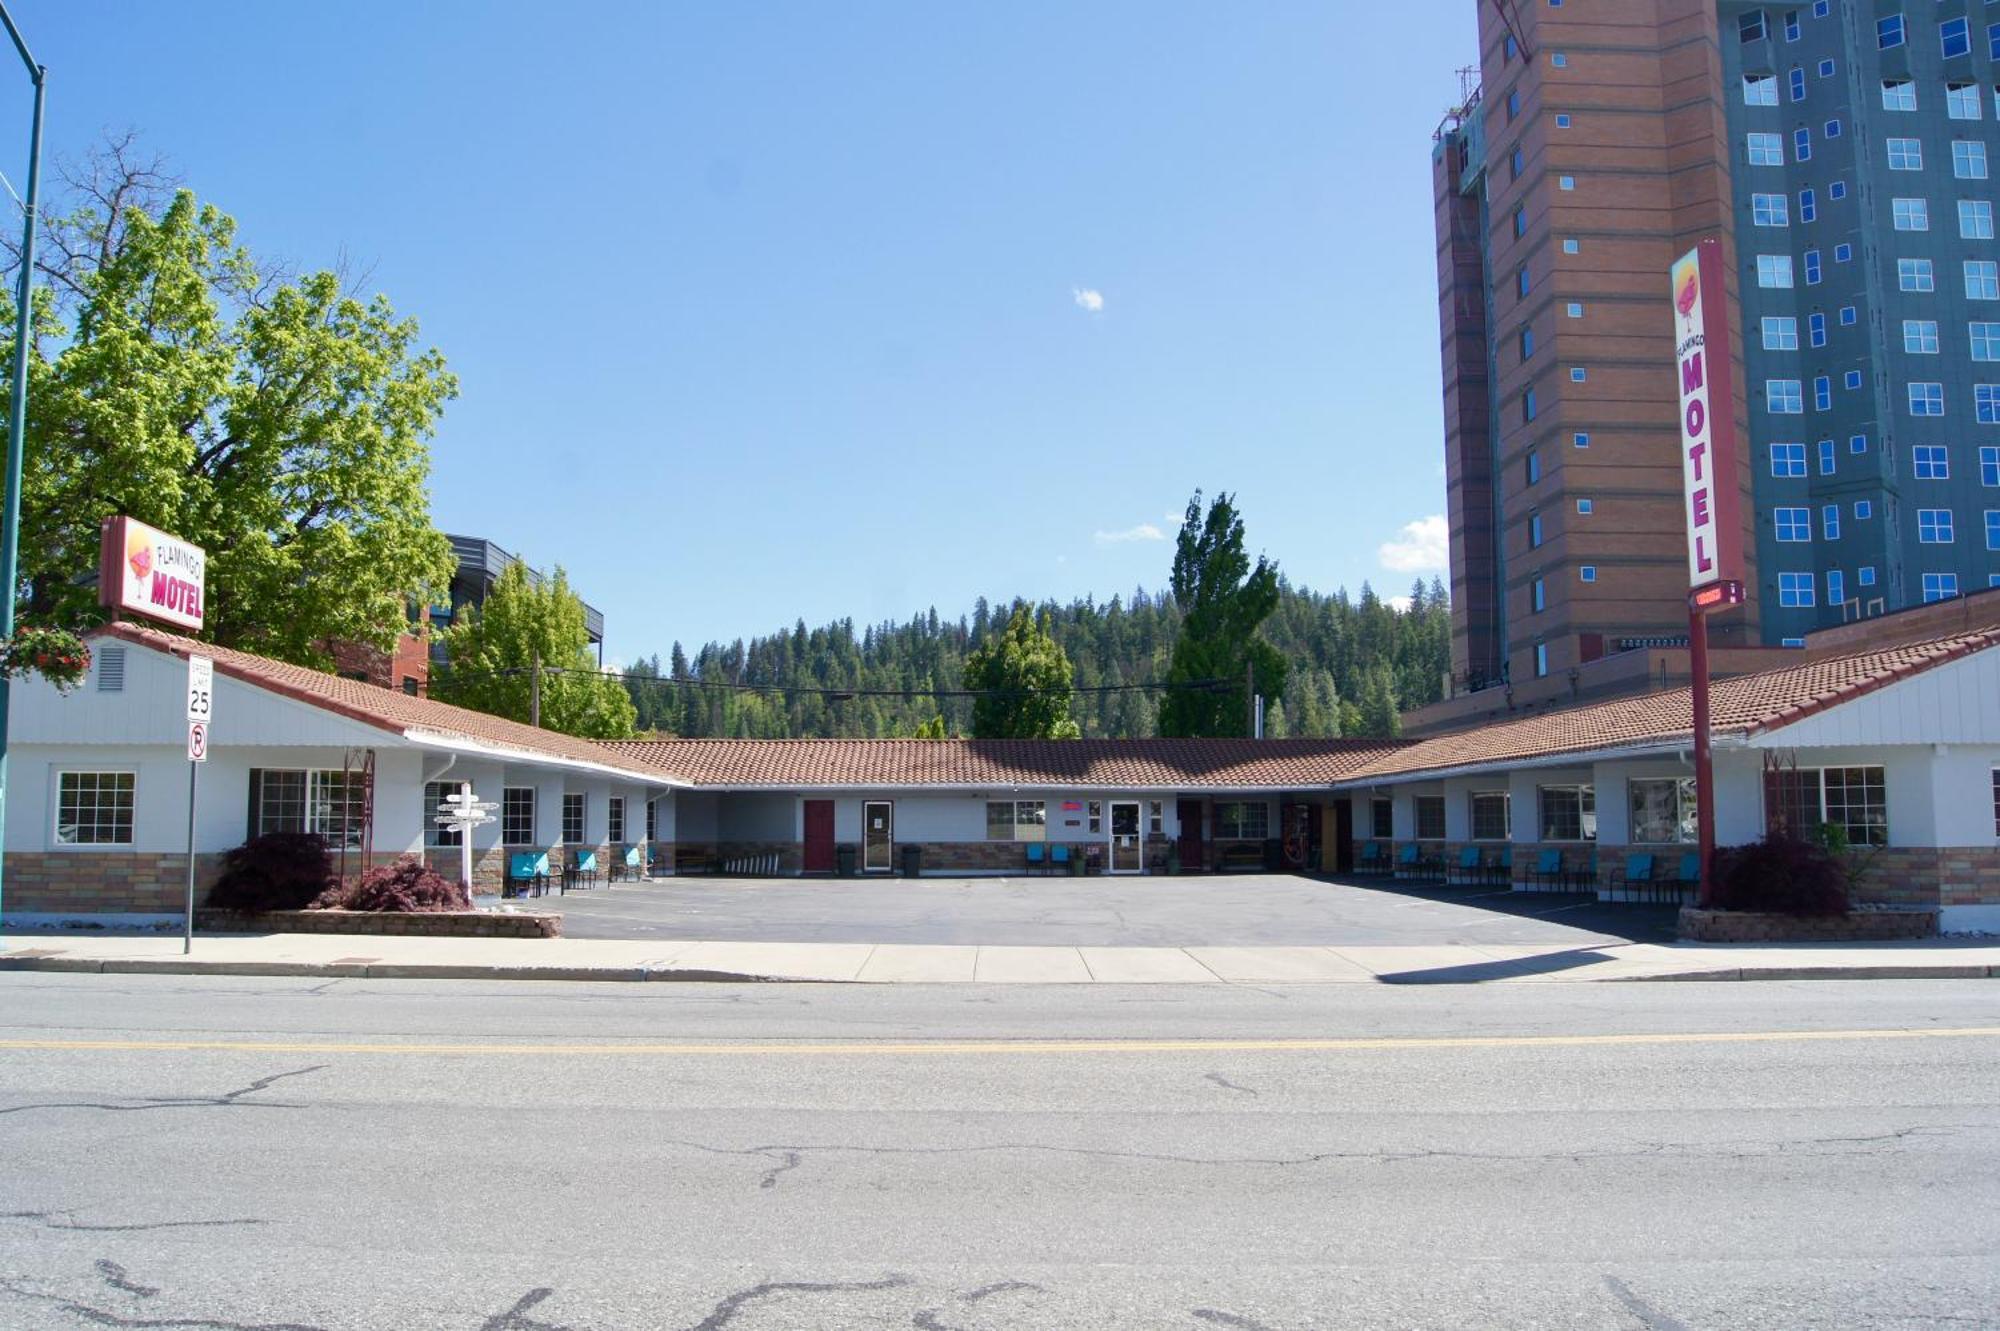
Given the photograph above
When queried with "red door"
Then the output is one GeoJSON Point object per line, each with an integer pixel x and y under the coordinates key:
{"type": "Point", "coordinates": [819, 836]}
{"type": "Point", "coordinates": [1189, 813]}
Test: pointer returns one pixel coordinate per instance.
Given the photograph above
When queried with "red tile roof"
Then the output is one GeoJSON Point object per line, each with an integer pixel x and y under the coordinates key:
{"type": "Point", "coordinates": [1183, 764]}
{"type": "Point", "coordinates": [387, 709]}
{"type": "Point", "coordinates": [1746, 704]}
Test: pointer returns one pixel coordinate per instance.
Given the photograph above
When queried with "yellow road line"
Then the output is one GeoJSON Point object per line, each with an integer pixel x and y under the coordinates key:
{"type": "Point", "coordinates": [968, 1047]}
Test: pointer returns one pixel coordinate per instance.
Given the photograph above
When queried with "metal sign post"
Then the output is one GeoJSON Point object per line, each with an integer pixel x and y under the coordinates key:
{"type": "Point", "coordinates": [200, 709]}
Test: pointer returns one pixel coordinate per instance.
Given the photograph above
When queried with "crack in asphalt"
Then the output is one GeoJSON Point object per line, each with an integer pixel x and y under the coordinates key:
{"type": "Point", "coordinates": [516, 1318]}
{"type": "Point", "coordinates": [927, 1319]}
{"type": "Point", "coordinates": [97, 1316]}
{"type": "Point", "coordinates": [1649, 1317]}
{"type": "Point", "coordinates": [726, 1309]}
{"type": "Point", "coordinates": [228, 1100]}
{"type": "Point", "coordinates": [788, 1156]}
{"type": "Point", "coordinates": [1220, 1318]}
{"type": "Point", "coordinates": [116, 1277]}
{"type": "Point", "coordinates": [53, 1220]}
{"type": "Point", "coordinates": [1225, 1083]}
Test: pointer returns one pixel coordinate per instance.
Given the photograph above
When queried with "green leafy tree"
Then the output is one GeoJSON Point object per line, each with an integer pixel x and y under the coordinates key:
{"type": "Point", "coordinates": [279, 422]}
{"type": "Point", "coordinates": [490, 657]}
{"type": "Point", "coordinates": [1223, 602]}
{"type": "Point", "coordinates": [1025, 681]}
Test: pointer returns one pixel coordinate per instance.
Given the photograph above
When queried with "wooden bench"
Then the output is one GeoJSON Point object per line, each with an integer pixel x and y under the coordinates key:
{"type": "Point", "coordinates": [1239, 859]}
{"type": "Point", "coordinates": [693, 861]}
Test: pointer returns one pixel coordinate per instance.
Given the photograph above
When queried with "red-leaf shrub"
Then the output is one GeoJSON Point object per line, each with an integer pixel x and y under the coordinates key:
{"type": "Point", "coordinates": [408, 885]}
{"type": "Point", "coordinates": [277, 871]}
{"type": "Point", "coordinates": [1783, 875]}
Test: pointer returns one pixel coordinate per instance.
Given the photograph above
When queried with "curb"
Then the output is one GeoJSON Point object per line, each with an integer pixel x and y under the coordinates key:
{"type": "Point", "coordinates": [672, 975]}
{"type": "Point", "coordinates": [394, 971]}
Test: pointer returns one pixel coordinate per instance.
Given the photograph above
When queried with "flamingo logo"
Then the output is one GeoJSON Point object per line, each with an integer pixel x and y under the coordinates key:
{"type": "Point", "coordinates": [1685, 298]}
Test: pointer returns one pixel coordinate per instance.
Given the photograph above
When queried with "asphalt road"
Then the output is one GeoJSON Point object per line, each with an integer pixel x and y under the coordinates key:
{"type": "Point", "coordinates": [229, 1154]}
{"type": "Point", "coordinates": [1232, 910]}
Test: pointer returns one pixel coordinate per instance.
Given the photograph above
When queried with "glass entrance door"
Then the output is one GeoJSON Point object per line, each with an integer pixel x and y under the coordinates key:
{"type": "Point", "coordinates": [878, 836]}
{"type": "Point", "coordinates": [1128, 847]}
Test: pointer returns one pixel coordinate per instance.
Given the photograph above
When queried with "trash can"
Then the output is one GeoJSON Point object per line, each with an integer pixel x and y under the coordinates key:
{"type": "Point", "coordinates": [843, 859]}
{"type": "Point", "coordinates": [1274, 855]}
{"type": "Point", "coordinates": [913, 861]}
{"type": "Point", "coordinates": [1076, 864]}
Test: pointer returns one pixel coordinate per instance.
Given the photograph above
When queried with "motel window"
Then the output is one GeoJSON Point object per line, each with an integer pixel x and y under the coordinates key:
{"type": "Point", "coordinates": [1569, 813]}
{"type": "Point", "coordinates": [517, 816]}
{"type": "Point", "coordinates": [572, 818]}
{"type": "Point", "coordinates": [331, 804]}
{"type": "Point", "coordinates": [1491, 820]}
{"type": "Point", "coordinates": [1906, 154]}
{"type": "Point", "coordinates": [1430, 817]}
{"type": "Point", "coordinates": [1248, 821]}
{"type": "Point", "coordinates": [1996, 801]}
{"type": "Point", "coordinates": [1854, 799]}
{"type": "Point", "coordinates": [1760, 89]}
{"type": "Point", "coordinates": [614, 820]}
{"type": "Point", "coordinates": [1975, 219]}
{"type": "Point", "coordinates": [1156, 819]}
{"type": "Point", "coordinates": [94, 808]}
{"type": "Point", "coordinates": [1899, 95]}
{"type": "Point", "coordinates": [1095, 814]}
{"type": "Point", "coordinates": [1017, 820]}
{"type": "Point", "coordinates": [1382, 817]}
{"type": "Point", "coordinates": [435, 833]}
{"type": "Point", "coordinates": [1662, 811]}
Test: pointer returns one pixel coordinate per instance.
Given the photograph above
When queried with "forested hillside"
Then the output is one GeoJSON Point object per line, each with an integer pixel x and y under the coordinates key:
{"type": "Point", "coordinates": [1355, 662]}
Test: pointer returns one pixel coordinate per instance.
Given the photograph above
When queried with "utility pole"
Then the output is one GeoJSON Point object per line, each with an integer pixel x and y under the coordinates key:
{"type": "Point", "coordinates": [1250, 699]}
{"type": "Point", "coordinates": [17, 415]}
{"type": "Point", "coordinates": [535, 694]}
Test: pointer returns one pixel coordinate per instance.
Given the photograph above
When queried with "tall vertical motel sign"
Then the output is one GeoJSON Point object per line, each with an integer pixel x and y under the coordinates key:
{"type": "Point", "coordinates": [1711, 496]}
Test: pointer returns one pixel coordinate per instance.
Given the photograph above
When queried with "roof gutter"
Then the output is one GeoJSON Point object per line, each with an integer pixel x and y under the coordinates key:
{"type": "Point", "coordinates": [454, 744]}
{"type": "Point", "coordinates": [1574, 759]}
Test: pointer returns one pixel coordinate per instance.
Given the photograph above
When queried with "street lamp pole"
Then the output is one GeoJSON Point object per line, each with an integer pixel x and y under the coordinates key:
{"type": "Point", "coordinates": [17, 412]}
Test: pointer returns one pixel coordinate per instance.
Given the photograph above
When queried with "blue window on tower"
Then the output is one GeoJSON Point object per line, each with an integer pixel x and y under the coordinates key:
{"type": "Point", "coordinates": [1986, 404]}
{"type": "Point", "coordinates": [1781, 332]}
{"type": "Point", "coordinates": [1940, 586]}
{"type": "Point", "coordinates": [1521, 282]}
{"type": "Point", "coordinates": [1926, 398]}
{"type": "Point", "coordinates": [1955, 37]}
{"type": "Point", "coordinates": [1821, 8]}
{"type": "Point", "coordinates": [1831, 129]}
{"type": "Point", "coordinates": [1795, 589]}
{"type": "Point", "coordinates": [1836, 587]}
{"type": "Point", "coordinates": [1829, 521]}
{"type": "Point", "coordinates": [1836, 189]}
{"type": "Point", "coordinates": [1826, 457]}
{"type": "Point", "coordinates": [1788, 460]}
{"type": "Point", "coordinates": [1857, 443]}
{"type": "Point", "coordinates": [1783, 397]}
{"type": "Point", "coordinates": [1826, 69]}
{"type": "Point", "coordinates": [1864, 509]}
{"type": "Point", "coordinates": [1930, 462]}
{"type": "Point", "coordinates": [1816, 323]}
{"type": "Point", "coordinates": [1934, 526]}
{"type": "Point", "coordinates": [1798, 81]}
{"type": "Point", "coordinates": [1846, 315]}
{"type": "Point", "coordinates": [1989, 465]}
{"type": "Point", "coordinates": [1808, 206]}
{"type": "Point", "coordinates": [1802, 144]}
{"type": "Point", "coordinates": [1812, 268]}
{"type": "Point", "coordinates": [1750, 26]}
{"type": "Point", "coordinates": [1851, 380]}
{"type": "Point", "coordinates": [1793, 524]}
{"type": "Point", "coordinates": [1865, 575]}
{"type": "Point", "coordinates": [1822, 393]}
{"type": "Point", "coordinates": [1993, 529]}
{"type": "Point", "coordinates": [1888, 31]}
{"type": "Point", "coordinates": [1843, 252]}
{"type": "Point", "coordinates": [1791, 25]}
{"type": "Point", "coordinates": [1528, 406]}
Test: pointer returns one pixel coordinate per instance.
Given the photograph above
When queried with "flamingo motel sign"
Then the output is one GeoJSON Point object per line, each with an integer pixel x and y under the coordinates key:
{"type": "Point", "coordinates": [144, 571]}
{"type": "Point", "coordinates": [1709, 482]}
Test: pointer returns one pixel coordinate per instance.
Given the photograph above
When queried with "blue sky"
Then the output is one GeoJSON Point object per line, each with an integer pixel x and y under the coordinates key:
{"type": "Point", "coordinates": [772, 310]}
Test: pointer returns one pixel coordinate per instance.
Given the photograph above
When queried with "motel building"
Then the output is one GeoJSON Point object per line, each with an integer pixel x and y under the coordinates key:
{"type": "Point", "coordinates": [1893, 734]}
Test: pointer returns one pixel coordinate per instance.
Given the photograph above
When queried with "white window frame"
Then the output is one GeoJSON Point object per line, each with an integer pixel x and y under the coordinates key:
{"type": "Point", "coordinates": [130, 776]}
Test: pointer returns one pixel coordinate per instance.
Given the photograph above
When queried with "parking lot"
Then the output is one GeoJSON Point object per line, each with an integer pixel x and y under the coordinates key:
{"type": "Point", "coordinates": [1245, 910]}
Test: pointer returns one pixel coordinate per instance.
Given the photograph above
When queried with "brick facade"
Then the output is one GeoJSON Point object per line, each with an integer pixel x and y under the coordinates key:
{"type": "Point", "coordinates": [1928, 876]}
{"type": "Point", "coordinates": [87, 882]}
{"type": "Point", "coordinates": [1739, 926]}
{"type": "Point", "coordinates": [416, 924]}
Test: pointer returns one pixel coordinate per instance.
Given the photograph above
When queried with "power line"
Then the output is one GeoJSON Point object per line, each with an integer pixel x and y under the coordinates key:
{"type": "Point", "coordinates": [836, 692]}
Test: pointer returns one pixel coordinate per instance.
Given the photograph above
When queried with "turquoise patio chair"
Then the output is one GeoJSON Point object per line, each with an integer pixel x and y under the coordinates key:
{"type": "Point", "coordinates": [1036, 858]}
{"type": "Point", "coordinates": [1370, 858]}
{"type": "Point", "coordinates": [1688, 875]}
{"type": "Point", "coordinates": [527, 873]}
{"type": "Point", "coordinates": [1548, 869]}
{"type": "Point", "coordinates": [1638, 869]}
{"type": "Point", "coordinates": [1409, 860]}
{"type": "Point", "coordinates": [1503, 867]}
{"type": "Point", "coordinates": [1058, 859]}
{"type": "Point", "coordinates": [1468, 864]}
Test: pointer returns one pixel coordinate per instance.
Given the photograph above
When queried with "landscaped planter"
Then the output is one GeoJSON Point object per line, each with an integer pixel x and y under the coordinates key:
{"type": "Point", "coordinates": [1861, 926]}
{"type": "Point", "coordinates": [427, 924]}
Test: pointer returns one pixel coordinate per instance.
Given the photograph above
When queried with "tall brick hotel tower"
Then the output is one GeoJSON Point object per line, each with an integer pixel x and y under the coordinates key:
{"type": "Point", "coordinates": [1839, 152]}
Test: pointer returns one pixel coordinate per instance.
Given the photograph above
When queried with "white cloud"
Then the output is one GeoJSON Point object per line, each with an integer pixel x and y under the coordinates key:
{"type": "Point", "coordinates": [1145, 531]}
{"type": "Point", "coordinates": [1088, 298]}
{"type": "Point", "coordinates": [1423, 547]}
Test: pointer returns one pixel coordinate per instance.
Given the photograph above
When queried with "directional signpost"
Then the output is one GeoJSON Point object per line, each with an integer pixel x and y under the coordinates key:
{"type": "Point", "coordinates": [462, 813]}
{"type": "Point", "coordinates": [200, 710]}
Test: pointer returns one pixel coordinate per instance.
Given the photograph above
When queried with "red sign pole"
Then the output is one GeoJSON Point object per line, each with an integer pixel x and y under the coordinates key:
{"type": "Point", "coordinates": [1704, 767]}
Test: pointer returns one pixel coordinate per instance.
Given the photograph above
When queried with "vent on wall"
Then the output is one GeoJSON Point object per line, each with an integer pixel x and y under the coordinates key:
{"type": "Point", "coordinates": [111, 670]}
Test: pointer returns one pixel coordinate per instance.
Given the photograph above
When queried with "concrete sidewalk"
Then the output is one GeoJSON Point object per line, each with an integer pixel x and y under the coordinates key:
{"type": "Point", "coordinates": [378, 957]}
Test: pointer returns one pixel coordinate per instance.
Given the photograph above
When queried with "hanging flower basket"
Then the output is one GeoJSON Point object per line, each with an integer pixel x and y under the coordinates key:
{"type": "Point", "coordinates": [57, 655]}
